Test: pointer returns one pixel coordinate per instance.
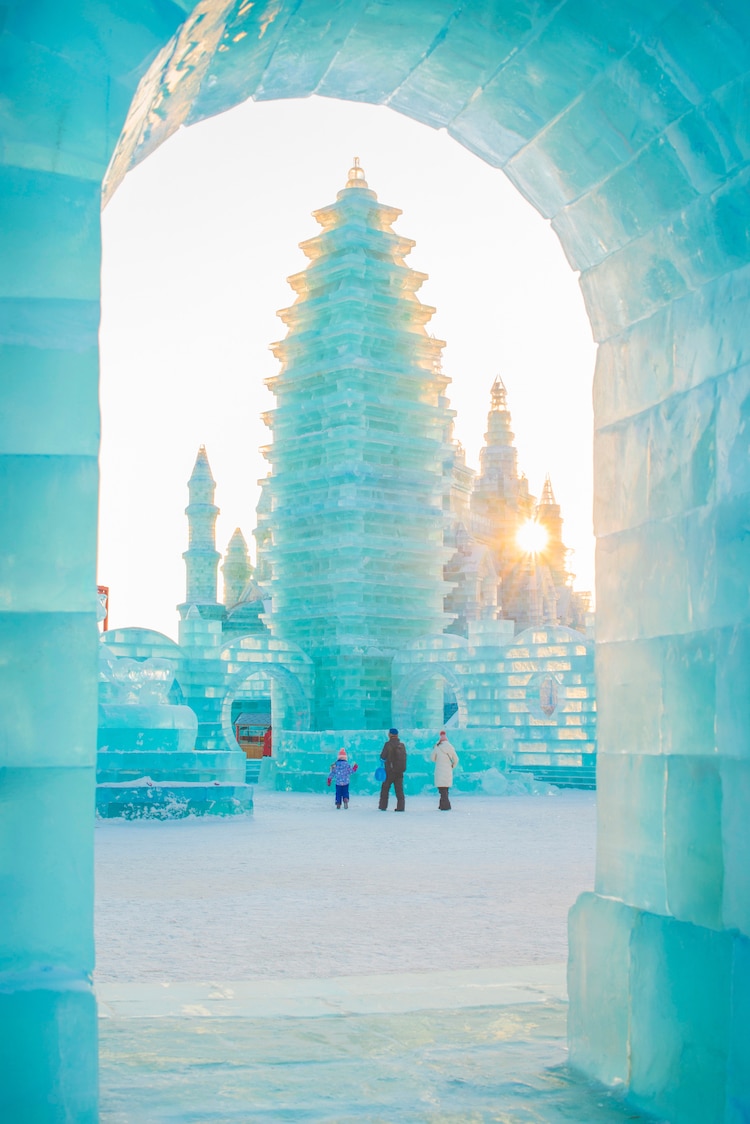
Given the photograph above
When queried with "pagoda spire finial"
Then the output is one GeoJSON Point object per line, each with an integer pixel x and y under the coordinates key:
{"type": "Point", "coordinates": [356, 175]}
{"type": "Point", "coordinates": [548, 496]}
{"type": "Point", "coordinates": [499, 394]}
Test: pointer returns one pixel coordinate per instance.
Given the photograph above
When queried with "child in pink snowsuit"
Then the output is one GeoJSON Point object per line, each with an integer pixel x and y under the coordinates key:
{"type": "Point", "coordinates": [341, 770]}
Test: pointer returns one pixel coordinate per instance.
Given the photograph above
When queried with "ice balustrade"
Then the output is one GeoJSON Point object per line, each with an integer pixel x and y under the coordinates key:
{"type": "Point", "coordinates": [627, 126]}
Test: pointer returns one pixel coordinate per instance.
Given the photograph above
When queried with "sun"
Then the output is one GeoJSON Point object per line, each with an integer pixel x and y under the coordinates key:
{"type": "Point", "coordinates": [532, 537]}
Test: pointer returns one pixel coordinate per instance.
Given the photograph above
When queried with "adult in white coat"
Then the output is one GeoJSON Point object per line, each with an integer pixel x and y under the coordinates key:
{"type": "Point", "coordinates": [446, 759]}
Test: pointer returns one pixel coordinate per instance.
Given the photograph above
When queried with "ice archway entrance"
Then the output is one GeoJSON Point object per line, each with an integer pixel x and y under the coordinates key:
{"type": "Point", "coordinates": [627, 126]}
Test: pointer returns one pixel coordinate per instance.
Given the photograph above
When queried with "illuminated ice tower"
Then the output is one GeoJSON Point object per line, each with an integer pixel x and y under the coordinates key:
{"type": "Point", "coordinates": [356, 528]}
{"type": "Point", "coordinates": [501, 493]}
{"type": "Point", "coordinates": [501, 503]}
{"type": "Point", "coordinates": [548, 516]}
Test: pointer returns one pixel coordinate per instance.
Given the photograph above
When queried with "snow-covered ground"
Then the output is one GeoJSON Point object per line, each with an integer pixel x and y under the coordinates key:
{"type": "Point", "coordinates": [298, 890]}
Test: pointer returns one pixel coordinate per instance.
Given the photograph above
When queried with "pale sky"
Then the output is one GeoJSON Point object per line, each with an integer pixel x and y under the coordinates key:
{"type": "Point", "coordinates": [198, 243]}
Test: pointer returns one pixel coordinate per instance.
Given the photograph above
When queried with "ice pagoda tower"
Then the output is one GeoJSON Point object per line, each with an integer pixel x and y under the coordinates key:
{"type": "Point", "coordinates": [501, 493]}
{"type": "Point", "coordinates": [354, 499]}
{"type": "Point", "coordinates": [501, 503]}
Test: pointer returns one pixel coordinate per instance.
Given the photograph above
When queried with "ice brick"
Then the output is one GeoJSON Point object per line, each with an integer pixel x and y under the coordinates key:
{"type": "Point", "coordinates": [599, 935]}
{"type": "Point", "coordinates": [68, 383]}
{"type": "Point", "coordinates": [693, 840]}
{"type": "Point", "coordinates": [630, 696]}
{"type": "Point", "coordinates": [48, 660]}
{"type": "Point", "coordinates": [679, 1029]}
{"type": "Point", "coordinates": [48, 221]}
{"type": "Point", "coordinates": [51, 504]}
{"type": "Point", "coordinates": [738, 1076]}
{"type": "Point", "coordinates": [732, 695]}
{"type": "Point", "coordinates": [47, 876]}
{"type": "Point", "coordinates": [48, 1043]}
{"type": "Point", "coordinates": [631, 830]}
{"type": "Point", "coordinates": [735, 841]}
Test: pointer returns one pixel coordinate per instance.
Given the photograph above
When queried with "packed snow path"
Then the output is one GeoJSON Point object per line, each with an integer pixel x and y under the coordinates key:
{"type": "Point", "coordinates": [299, 890]}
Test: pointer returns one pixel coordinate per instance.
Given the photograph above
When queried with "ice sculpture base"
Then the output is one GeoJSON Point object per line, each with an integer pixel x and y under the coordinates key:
{"type": "Point", "coordinates": [148, 799]}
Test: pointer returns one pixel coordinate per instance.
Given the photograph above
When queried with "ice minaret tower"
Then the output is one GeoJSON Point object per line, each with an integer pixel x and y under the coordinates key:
{"type": "Point", "coordinates": [236, 569]}
{"type": "Point", "coordinates": [356, 551]}
{"type": "Point", "coordinates": [201, 556]}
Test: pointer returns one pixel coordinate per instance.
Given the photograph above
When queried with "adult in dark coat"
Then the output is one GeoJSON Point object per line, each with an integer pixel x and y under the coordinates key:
{"type": "Point", "coordinates": [393, 757]}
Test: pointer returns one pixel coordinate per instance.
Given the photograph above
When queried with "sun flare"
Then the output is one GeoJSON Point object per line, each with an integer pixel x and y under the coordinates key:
{"type": "Point", "coordinates": [532, 537]}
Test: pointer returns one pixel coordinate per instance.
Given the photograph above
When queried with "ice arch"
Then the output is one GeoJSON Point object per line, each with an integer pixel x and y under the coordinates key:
{"type": "Point", "coordinates": [627, 125]}
{"type": "Point", "coordinates": [294, 703]}
{"type": "Point", "coordinates": [405, 695]}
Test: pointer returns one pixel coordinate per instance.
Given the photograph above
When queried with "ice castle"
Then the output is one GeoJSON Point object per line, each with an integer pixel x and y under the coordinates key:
{"type": "Point", "coordinates": [390, 584]}
{"type": "Point", "coordinates": [626, 125]}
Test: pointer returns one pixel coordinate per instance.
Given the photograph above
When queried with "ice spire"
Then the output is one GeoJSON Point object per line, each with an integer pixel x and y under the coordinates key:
{"type": "Point", "coordinates": [498, 459]}
{"type": "Point", "coordinates": [236, 569]}
{"type": "Point", "coordinates": [548, 496]}
{"type": "Point", "coordinates": [201, 557]}
{"type": "Point", "coordinates": [498, 395]}
{"type": "Point", "coordinates": [548, 515]}
{"type": "Point", "coordinates": [499, 489]}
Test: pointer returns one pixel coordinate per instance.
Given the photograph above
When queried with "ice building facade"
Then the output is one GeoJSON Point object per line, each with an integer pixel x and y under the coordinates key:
{"type": "Point", "coordinates": [626, 126]}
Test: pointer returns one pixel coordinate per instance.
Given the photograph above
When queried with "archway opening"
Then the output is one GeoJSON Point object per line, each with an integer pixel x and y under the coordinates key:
{"type": "Point", "coordinates": [474, 254]}
{"type": "Point", "coordinates": [434, 697]}
{"type": "Point", "coordinates": [251, 715]}
{"type": "Point", "coordinates": [191, 288]}
{"type": "Point", "coordinates": [631, 133]}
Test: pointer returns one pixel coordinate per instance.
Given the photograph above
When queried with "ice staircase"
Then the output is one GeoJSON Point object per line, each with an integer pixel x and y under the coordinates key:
{"type": "Point", "coordinates": [252, 770]}
{"type": "Point", "coordinates": [563, 776]}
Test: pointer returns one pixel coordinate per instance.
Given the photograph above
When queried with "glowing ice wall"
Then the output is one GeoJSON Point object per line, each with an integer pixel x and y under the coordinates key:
{"type": "Point", "coordinates": [627, 126]}
{"type": "Point", "coordinates": [356, 483]}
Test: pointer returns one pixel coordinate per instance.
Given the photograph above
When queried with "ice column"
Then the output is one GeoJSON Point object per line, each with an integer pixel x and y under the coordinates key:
{"type": "Point", "coordinates": [660, 953]}
{"type": "Point", "coordinates": [67, 83]}
{"type": "Point", "coordinates": [49, 431]}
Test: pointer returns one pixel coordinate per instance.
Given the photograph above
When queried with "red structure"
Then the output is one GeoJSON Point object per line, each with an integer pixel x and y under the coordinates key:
{"type": "Point", "coordinates": [103, 594]}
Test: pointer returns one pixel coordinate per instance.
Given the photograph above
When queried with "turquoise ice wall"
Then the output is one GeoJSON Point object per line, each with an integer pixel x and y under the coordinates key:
{"type": "Point", "coordinates": [356, 462]}
{"type": "Point", "coordinates": [68, 80]}
{"type": "Point", "coordinates": [627, 126]}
